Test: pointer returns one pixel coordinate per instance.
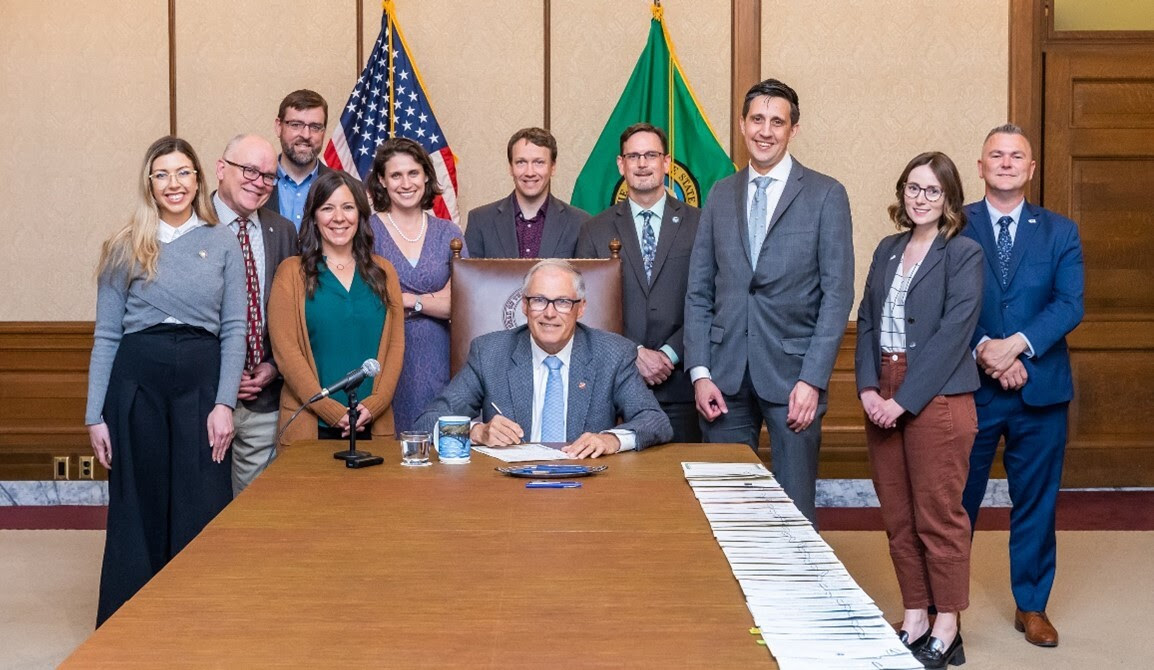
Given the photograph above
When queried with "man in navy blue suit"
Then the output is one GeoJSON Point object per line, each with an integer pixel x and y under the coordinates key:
{"type": "Point", "coordinates": [1032, 299]}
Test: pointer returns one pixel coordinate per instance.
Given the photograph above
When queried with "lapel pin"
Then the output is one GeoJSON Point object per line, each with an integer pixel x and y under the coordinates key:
{"type": "Point", "coordinates": [1032, 220]}
{"type": "Point", "coordinates": [676, 219]}
{"type": "Point", "coordinates": [893, 257]}
{"type": "Point", "coordinates": [270, 229]}
{"type": "Point", "coordinates": [581, 385]}
{"type": "Point", "coordinates": [202, 254]}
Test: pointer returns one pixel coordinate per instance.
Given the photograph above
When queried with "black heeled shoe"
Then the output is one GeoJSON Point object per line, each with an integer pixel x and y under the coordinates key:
{"type": "Point", "coordinates": [935, 655]}
{"type": "Point", "coordinates": [916, 644]}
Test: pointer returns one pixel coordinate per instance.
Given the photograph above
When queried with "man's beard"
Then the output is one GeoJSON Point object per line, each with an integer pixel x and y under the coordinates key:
{"type": "Point", "coordinates": [301, 156]}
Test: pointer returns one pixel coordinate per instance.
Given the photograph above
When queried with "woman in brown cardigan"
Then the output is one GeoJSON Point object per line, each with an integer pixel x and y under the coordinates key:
{"type": "Point", "coordinates": [330, 309]}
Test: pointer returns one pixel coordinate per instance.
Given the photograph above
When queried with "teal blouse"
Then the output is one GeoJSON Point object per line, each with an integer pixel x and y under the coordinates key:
{"type": "Point", "coordinates": [344, 327]}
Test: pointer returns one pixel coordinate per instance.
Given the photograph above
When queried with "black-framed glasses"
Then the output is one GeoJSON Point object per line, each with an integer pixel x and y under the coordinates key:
{"type": "Point", "coordinates": [298, 126]}
{"type": "Point", "coordinates": [251, 174]}
{"type": "Point", "coordinates": [184, 175]}
{"type": "Point", "coordinates": [912, 190]}
{"type": "Point", "coordinates": [539, 303]}
{"type": "Point", "coordinates": [649, 156]}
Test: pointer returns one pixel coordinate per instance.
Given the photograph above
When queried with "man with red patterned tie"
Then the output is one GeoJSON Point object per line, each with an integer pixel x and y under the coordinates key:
{"type": "Point", "coordinates": [247, 176]}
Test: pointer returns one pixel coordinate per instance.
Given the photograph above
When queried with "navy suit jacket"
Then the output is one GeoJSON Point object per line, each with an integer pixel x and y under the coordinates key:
{"type": "Point", "coordinates": [603, 385]}
{"type": "Point", "coordinates": [1042, 298]}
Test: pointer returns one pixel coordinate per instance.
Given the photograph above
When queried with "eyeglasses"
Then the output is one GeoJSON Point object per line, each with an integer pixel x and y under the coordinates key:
{"type": "Point", "coordinates": [539, 303]}
{"type": "Point", "coordinates": [912, 190]}
{"type": "Point", "coordinates": [648, 155]}
{"type": "Point", "coordinates": [299, 126]}
{"type": "Point", "coordinates": [183, 175]}
{"type": "Point", "coordinates": [251, 174]}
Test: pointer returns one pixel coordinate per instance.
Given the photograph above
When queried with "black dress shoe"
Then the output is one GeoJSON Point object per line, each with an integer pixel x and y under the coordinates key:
{"type": "Point", "coordinates": [936, 655]}
{"type": "Point", "coordinates": [916, 644]}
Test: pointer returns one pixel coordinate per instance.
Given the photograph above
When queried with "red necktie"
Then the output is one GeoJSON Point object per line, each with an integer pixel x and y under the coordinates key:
{"type": "Point", "coordinates": [254, 340]}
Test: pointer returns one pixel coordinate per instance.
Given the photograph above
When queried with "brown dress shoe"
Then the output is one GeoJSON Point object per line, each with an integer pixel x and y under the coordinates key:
{"type": "Point", "coordinates": [1037, 627]}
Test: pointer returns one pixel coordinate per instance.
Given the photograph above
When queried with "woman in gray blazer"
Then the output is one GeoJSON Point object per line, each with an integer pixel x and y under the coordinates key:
{"type": "Point", "coordinates": [915, 378]}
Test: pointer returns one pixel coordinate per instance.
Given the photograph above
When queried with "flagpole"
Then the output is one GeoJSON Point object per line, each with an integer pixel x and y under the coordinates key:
{"type": "Point", "coordinates": [388, 7]}
{"type": "Point", "coordinates": [659, 15]}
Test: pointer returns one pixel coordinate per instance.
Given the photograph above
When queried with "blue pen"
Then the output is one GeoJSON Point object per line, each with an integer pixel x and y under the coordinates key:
{"type": "Point", "coordinates": [553, 485]}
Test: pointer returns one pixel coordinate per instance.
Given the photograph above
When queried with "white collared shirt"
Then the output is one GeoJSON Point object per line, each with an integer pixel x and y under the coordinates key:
{"type": "Point", "coordinates": [166, 233]}
{"type": "Point", "coordinates": [658, 210]}
{"type": "Point", "coordinates": [779, 173]}
{"type": "Point", "coordinates": [541, 376]}
{"type": "Point", "coordinates": [1015, 216]}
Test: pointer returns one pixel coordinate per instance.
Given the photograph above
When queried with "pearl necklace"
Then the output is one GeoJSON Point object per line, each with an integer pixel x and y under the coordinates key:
{"type": "Point", "coordinates": [413, 240]}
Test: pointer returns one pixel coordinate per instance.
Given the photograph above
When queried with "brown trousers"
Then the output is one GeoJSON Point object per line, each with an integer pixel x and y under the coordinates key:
{"type": "Point", "coordinates": [919, 471]}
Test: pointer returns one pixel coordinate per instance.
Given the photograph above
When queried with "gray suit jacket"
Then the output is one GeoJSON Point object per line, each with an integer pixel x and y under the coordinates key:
{"type": "Point", "coordinates": [603, 385]}
{"type": "Point", "coordinates": [274, 199]}
{"type": "Point", "coordinates": [785, 318]}
{"type": "Point", "coordinates": [654, 312]}
{"type": "Point", "coordinates": [942, 305]}
{"type": "Point", "coordinates": [280, 242]}
{"type": "Point", "coordinates": [491, 232]}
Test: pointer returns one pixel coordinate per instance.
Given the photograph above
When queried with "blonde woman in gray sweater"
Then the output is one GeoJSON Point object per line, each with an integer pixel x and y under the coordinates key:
{"type": "Point", "coordinates": [166, 363]}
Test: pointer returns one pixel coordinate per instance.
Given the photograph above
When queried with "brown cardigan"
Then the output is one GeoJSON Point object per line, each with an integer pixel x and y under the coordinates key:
{"type": "Point", "coordinates": [294, 356]}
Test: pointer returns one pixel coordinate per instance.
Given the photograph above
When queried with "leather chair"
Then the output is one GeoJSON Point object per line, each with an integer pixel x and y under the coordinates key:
{"type": "Point", "coordinates": [487, 296]}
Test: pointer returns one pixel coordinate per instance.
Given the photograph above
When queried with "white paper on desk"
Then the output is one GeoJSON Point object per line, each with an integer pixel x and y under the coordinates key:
{"type": "Point", "coordinates": [519, 453]}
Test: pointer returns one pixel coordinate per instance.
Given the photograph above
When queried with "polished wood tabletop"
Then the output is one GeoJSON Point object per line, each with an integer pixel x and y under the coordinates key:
{"type": "Point", "coordinates": [319, 566]}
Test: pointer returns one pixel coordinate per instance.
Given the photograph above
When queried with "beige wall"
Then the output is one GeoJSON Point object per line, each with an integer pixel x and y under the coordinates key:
{"type": "Point", "coordinates": [882, 81]}
{"type": "Point", "coordinates": [86, 90]}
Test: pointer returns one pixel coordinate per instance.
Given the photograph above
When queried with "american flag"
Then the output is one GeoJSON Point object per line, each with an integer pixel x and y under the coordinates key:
{"type": "Point", "coordinates": [389, 100]}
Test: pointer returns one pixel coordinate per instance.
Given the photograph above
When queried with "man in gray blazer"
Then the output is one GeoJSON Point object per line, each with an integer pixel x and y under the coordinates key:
{"type": "Point", "coordinates": [247, 174]}
{"type": "Point", "coordinates": [300, 126]}
{"type": "Point", "coordinates": [770, 290]}
{"type": "Point", "coordinates": [554, 380]}
{"type": "Point", "coordinates": [656, 233]}
{"type": "Point", "coordinates": [529, 222]}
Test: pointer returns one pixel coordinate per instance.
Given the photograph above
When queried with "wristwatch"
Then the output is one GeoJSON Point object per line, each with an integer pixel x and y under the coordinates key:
{"type": "Point", "coordinates": [417, 306]}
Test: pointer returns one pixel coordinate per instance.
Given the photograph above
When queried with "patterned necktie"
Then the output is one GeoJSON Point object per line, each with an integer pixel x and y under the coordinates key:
{"type": "Point", "coordinates": [553, 410]}
{"type": "Point", "coordinates": [254, 342]}
{"type": "Point", "coordinates": [757, 218]}
{"type": "Point", "coordinates": [1005, 245]}
{"type": "Point", "coordinates": [648, 244]}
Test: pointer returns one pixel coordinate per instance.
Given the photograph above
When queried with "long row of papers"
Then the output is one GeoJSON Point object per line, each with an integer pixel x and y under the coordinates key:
{"type": "Point", "coordinates": [809, 610]}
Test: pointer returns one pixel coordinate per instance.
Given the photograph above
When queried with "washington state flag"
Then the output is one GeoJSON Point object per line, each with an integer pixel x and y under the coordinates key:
{"type": "Point", "coordinates": [658, 93]}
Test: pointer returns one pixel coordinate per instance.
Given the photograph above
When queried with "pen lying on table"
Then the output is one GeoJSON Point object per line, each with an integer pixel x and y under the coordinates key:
{"type": "Point", "coordinates": [553, 485]}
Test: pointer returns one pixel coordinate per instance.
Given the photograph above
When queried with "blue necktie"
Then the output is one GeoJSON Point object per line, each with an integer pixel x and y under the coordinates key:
{"type": "Point", "coordinates": [757, 218]}
{"type": "Point", "coordinates": [648, 244]}
{"type": "Point", "coordinates": [1005, 246]}
{"type": "Point", "coordinates": [553, 410]}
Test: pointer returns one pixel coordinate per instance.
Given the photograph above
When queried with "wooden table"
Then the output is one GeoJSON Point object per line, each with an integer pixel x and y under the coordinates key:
{"type": "Point", "coordinates": [320, 566]}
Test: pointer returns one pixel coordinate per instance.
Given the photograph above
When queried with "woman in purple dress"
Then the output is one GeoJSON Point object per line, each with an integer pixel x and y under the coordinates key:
{"type": "Point", "coordinates": [402, 185]}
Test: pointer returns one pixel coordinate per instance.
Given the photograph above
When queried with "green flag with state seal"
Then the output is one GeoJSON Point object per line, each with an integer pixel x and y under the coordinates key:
{"type": "Point", "coordinates": [657, 93]}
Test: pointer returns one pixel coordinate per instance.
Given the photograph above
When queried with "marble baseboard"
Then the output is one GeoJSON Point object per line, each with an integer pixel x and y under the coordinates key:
{"type": "Point", "coordinates": [53, 492]}
{"type": "Point", "coordinates": [830, 493]}
{"type": "Point", "coordinates": [860, 493]}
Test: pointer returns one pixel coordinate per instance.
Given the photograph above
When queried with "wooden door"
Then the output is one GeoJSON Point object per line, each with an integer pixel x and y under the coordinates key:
{"type": "Point", "coordinates": [1098, 169]}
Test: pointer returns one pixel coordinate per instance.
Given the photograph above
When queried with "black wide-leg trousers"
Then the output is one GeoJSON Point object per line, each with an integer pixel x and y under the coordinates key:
{"type": "Point", "coordinates": [163, 487]}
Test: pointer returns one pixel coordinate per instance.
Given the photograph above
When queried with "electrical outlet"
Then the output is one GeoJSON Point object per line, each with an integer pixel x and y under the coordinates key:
{"type": "Point", "coordinates": [60, 467]}
{"type": "Point", "coordinates": [87, 467]}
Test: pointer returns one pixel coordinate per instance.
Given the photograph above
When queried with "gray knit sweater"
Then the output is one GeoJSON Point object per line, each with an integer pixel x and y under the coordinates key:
{"type": "Point", "coordinates": [199, 281]}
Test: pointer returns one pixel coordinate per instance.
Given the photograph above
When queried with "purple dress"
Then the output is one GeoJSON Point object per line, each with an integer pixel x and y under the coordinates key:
{"type": "Point", "coordinates": [426, 367]}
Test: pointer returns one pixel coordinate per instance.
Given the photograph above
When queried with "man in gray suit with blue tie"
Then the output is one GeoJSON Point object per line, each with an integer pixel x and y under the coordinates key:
{"type": "Point", "coordinates": [770, 290]}
{"type": "Point", "coordinates": [553, 379]}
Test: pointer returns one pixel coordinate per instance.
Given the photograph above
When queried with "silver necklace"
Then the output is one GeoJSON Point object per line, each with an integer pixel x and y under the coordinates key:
{"type": "Point", "coordinates": [411, 240]}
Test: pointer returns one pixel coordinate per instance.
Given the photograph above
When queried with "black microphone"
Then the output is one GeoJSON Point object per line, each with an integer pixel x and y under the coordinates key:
{"type": "Point", "coordinates": [370, 368]}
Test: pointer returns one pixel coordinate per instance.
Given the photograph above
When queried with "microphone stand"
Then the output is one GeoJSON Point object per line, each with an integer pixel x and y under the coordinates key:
{"type": "Point", "coordinates": [352, 457]}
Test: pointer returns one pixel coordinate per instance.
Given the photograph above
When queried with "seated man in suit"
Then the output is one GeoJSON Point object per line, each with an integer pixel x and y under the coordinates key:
{"type": "Point", "coordinates": [554, 380]}
{"type": "Point", "coordinates": [530, 222]}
